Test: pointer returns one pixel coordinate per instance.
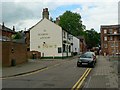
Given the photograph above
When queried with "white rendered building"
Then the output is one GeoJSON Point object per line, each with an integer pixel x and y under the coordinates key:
{"type": "Point", "coordinates": [50, 39]}
{"type": "Point", "coordinates": [76, 45]}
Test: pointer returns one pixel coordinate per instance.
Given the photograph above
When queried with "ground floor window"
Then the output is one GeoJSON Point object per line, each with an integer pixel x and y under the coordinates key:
{"type": "Point", "coordinates": [59, 50]}
{"type": "Point", "coordinates": [63, 47]}
{"type": "Point", "coordinates": [69, 48]}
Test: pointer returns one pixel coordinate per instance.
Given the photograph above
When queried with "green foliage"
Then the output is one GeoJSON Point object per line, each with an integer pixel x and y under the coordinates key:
{"type": "Point", "coordinates": [72, 23]}
{"type": "Point", "coordinates": [17, 36]}
{"type": "Point", "coordinates": [92, 38]}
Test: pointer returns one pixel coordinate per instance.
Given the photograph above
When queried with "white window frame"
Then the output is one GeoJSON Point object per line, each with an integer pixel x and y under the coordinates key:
{"type": "Point", "coordinates": [105, 38]}
{"type": "Point", "coordinates": [105, 31]}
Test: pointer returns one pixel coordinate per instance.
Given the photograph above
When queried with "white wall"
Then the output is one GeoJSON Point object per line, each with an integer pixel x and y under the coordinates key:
{"type": "Point", "coordinates": [48, 32]}
{"type": "Point", "coordinates": [76, 44]}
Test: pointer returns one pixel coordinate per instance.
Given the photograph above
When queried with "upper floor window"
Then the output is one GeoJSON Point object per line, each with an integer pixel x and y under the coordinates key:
{"type": "Point", "coordinates": [111, 38]}
{"type": "Point", "coordinates": [105, 45]}
{"type": "Point", "coordinates": [119, 30]}
{"type": "Point", "coordinates": [64, 35]}
{"type": "Point", "coordinates": [115, 39]}
{"type": "Point", "coordinates": [105, 38]}
{"type": "Point", "coordinates": [105, 31]}
{"type": "Point", "coordinates": [110, 30]}
{"type": "Point", "coordinates": [112, 44]}
{"type": "Point", "coordinates": [115, 32]}
{"type": "Point", "coordinates": [116, 44]}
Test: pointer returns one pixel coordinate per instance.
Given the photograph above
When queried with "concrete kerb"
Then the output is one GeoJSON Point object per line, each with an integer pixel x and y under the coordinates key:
{"type": "Point", "coordinates": [24, 72]}
{"type": "Point", "coordinates": [39, 68]}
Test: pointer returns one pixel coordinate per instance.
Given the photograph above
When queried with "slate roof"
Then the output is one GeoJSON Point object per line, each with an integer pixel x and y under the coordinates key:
{"type": "Point", "coordinates": [6, 29]}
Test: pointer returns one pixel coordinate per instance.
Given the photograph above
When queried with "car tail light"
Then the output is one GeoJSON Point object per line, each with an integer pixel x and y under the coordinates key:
{"type": "Point", "coordinates": [94, 57]}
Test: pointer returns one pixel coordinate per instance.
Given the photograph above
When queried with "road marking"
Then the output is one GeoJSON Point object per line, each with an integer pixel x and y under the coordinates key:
{"type": "Point", "coordinates": [82, 78]}
{"type": "Point", "coordinates": [37, 71]}
{"type": "Point", "coordinates": [79, 79]}
{"type": "Point", "coordinates": [24, 74]}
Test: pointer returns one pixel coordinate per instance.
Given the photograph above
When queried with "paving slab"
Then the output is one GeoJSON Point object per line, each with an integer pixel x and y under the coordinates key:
{"type": "Point", "coordinates": [104, 75]}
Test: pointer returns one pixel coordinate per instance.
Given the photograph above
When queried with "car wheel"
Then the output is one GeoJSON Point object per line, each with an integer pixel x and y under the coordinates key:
{"type": "Point", "coordinates": [78, 65]}
{"type": "Point", "coordinates": [93, 65]}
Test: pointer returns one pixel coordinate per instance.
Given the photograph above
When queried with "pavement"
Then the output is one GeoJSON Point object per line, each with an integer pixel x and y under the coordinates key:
{"type": "Point", "coordinates": [105, 74]}
{"type": "Point", "coordinates": [31, 66]}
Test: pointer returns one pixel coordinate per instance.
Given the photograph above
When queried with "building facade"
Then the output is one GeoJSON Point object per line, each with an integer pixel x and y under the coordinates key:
{"type": "Point", "coordinates": [110, 39]}
{"type": "Point", "coordinates": [50, 39]}
{"type": "Point", "coordinates": [82, 45]}
{"type": "Point", "coordinates": [76, 45]}
{"type": "Point", "coordinates": [6, 33]}
{"type": "Point", "coordinates": [13, 52]}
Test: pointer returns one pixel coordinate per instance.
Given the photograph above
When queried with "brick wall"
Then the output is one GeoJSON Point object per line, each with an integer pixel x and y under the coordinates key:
{"type": "Point", "coordinates": [113, 37]}
{"type": "Point", "coordinates": [12, 50]}
{"type": "Point", "coordinates": [0, 54]}
{"type": "Point", "coordinates": [34, 55]}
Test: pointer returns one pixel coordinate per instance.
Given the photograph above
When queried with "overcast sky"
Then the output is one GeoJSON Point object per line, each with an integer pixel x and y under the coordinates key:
{"type": "Point", "coordinates": [24, 14]}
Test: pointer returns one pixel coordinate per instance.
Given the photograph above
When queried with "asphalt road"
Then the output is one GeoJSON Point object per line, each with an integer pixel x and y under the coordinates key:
{"type": "Point", "coordinates": [63, 75]}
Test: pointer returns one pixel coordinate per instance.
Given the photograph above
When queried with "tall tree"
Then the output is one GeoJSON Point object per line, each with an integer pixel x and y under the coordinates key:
{"type": "Point", "coordinates": [92, 38]}
{"type": "Point", "coordinates": [72, 23]}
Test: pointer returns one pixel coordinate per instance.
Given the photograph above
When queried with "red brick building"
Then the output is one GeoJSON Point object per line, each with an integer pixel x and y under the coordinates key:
{"type": "Point", "coordinates": [13, 52]}
{"type": "Point", "coordinates": [6, 33]}
{"type": "Point", "coordinates": [110, 39]}
{"type": "Point", "coordinates": [83, 46]}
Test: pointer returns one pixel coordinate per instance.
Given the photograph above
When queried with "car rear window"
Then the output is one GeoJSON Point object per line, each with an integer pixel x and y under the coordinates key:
{"type": "Point", "coordinates": [87, 55]}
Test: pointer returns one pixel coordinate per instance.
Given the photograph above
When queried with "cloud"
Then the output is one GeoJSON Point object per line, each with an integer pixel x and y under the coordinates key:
{"type": "Point", "coordinates": [102, 13]}
{"type": "Point", "coordinates": [23, 14]}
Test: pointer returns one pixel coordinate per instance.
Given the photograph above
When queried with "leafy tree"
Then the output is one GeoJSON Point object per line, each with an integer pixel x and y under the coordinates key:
{"type": "Point", "coordinates": [17, 36]}
{"type": "Point", "coordinates": [72, 23]}
{"type": "Point", "coordinates": [92, 38]}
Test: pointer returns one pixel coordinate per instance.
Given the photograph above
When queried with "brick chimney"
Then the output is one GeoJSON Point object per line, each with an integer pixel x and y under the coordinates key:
{"type": "Point", "coordinates": [57, 20]}
{"type": "Point", "coordinates": [13, 28]}
{"type": "Point", "coordinates": [3, 25]}
{"type": "Point", "coordinates": [45, 13]}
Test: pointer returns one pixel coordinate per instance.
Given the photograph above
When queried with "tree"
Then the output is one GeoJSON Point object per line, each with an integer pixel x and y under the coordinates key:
{"type": "Point", "coordinates": [92, 38]}
{"type": "Point", "coordinates": [72, 23]}
{"type": "Point", "coordinates": [17, 36]}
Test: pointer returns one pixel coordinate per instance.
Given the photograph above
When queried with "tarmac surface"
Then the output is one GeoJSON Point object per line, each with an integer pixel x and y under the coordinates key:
{"type": "Point", "coordinates": [104, 75]}
{"type": "Point", "coordinates": [31, 66]}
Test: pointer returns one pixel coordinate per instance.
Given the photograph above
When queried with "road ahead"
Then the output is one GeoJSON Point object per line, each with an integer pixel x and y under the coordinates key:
{"type": "Point", "coordinates": [64, 75]}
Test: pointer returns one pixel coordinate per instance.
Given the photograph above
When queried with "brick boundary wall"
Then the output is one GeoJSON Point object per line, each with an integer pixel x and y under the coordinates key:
{"type": "Point", "coordinates": [13, 51]}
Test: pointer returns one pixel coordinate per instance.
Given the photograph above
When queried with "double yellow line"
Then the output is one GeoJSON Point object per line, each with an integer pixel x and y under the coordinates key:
{"type": "Point", "coordinates": [82, 78]}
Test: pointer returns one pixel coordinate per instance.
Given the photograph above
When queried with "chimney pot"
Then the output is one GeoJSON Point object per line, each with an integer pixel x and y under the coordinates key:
{"type": "Point", "coordinates": [57, 20]}
{"type": "Point", "coordinates": [45, 13]}
{"type": "Point", "coordinates": [13, 28]}
{"type": "Point", "coordinates": [3, 25]}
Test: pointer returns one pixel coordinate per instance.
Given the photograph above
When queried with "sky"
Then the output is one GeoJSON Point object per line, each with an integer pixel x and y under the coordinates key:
{"type": "Point", "coordinates": [23, 14]}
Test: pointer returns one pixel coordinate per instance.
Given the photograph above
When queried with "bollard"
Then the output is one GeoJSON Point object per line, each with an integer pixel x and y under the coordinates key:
{"type": "Point", "coordinates": [13, 62]}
